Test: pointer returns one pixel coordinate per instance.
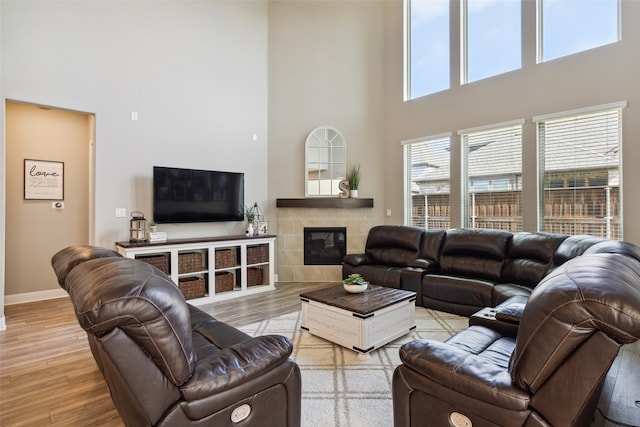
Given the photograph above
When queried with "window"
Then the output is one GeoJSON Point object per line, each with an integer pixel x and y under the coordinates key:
{"type": "Point", "coordinates": [579, 171]}
{"type": "Point", "coordinates": [427, 182]}
{"type": "Point", "coordinates": [491, 38]}
{"type": "Point", "coordinates": [427, 56]}
{"type": "Point", "coordinates": [569, 26]}
{"type": "Point", "coordinates": [492, 176]}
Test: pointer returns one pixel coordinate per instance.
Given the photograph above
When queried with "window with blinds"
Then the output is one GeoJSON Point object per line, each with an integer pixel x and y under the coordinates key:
{"type": "Point", "coordinates": [579, 172]}
{"type": "Point", "coordinates": [427, 182]}
{"type": "Point", "coordinates": [492, 177]}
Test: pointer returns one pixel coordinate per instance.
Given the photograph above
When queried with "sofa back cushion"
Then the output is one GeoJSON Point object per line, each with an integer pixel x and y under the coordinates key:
{"type": "Point", "coordinates": [393, 245]}
{"type": "Point", "coordinates": [431, 246]}
{"type": "Point", "coordinates": [572, 247]}
{"type": "Point", "coordinates": [529, 256]}
{"type": "Point", "coordinates": [110, 293]}
{"type": "Point", "coordinates": [588, 294]}
{"type": "Point", "coordinates": [474, 252]}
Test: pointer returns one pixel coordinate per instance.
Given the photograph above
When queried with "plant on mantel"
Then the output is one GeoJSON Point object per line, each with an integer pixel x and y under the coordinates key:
{"type": "Point", "coordinates": [354, 177]}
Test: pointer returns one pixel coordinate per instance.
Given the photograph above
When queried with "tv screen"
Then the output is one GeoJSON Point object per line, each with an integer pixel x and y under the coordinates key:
{"type": "Point", "coordinates": [190, 195]}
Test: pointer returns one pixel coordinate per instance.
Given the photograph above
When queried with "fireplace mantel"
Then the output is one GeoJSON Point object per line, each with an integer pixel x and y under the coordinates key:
{"type": "Point", "coordinates": [324, 202]}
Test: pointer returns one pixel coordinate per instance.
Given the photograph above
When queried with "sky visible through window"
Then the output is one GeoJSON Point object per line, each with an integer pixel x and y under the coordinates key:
{"type": "Point", "coordinates": [494, 37]}
{"type": "Point", "coordinates": [429, 46]}
{"type": "Point", "coordinates": [571, 26]}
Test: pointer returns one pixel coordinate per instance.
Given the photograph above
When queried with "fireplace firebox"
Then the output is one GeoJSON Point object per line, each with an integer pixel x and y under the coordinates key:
{"type": "Point", "coordinates": [324, 245]}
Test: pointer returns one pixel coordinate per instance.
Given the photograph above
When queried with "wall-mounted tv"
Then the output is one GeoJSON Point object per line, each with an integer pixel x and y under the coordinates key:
{"type": "Point", "coordinates": [192, 195]}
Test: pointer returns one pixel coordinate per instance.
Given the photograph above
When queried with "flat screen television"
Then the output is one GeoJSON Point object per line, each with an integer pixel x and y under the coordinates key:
{"type": "Point", "coordinates": [192, 195]}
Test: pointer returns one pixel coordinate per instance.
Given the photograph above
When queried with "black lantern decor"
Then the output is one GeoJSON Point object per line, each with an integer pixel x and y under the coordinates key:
{"type": "Point", "coordinates": [137, 227]}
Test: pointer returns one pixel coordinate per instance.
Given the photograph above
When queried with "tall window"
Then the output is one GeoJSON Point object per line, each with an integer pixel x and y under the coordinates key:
{"type": "Point", "coordinates": [492, 175]}
{"type": "Point", "coordinates": [579, 171]}
{"type": "Point", "coordinates": [427, 182]}
{"type": "Point", "coordinates": [570, 26]}
{"type": "Point", "coordinates": [427, 55]}
{"type": "Point", "coordinates": [491, 38]}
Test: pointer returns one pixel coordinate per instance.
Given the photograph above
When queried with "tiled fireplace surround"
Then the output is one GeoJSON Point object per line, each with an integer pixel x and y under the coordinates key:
{"type": "Point", "coordinates": [290, 243]}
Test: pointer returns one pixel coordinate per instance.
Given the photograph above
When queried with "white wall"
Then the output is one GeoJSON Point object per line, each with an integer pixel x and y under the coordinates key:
{"type": "Point", "coordinates": [326, 67]}
{"type": "Point", "coordinates": [195, 71]}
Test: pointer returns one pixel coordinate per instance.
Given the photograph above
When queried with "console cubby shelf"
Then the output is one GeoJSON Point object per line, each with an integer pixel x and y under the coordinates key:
{"type": "Point", "coordinates": [217, 267]}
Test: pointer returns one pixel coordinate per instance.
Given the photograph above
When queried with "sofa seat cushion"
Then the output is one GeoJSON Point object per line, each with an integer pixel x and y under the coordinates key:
{"type": "Point", "coordinates": [471, 362]}
{"type": "Point", "coordinates": [460, 290]}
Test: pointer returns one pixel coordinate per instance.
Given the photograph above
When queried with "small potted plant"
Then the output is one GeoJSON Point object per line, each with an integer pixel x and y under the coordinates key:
{"type": "Point", "coordinates": [152, 227]}
{"type": "Point", "coordinates": [355, 283]}
{"type": "Point", "coordinates": [354, 180]}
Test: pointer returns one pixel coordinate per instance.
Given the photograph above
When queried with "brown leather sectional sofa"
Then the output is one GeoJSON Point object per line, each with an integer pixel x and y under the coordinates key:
{"type": "Point", "coordinates": [168, 363]}
{"type": "Point", "coordinates": [464, 270]}
{"type": "Point", "coordinates": [548, 315]}
{"type": "Point", "coordinates": [547, 372]}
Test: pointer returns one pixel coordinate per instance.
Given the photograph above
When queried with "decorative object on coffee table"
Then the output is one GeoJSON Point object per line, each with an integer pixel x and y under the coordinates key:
{"type": "Point", "coordinates": [355, 283]}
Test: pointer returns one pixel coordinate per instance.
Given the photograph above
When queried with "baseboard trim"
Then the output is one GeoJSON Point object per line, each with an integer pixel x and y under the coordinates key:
{"type": "Point", "coordinates": [34, 296]}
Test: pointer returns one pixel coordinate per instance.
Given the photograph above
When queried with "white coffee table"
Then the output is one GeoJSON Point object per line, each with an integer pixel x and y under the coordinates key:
{"type": "Point", "coordinates": [362, 322]}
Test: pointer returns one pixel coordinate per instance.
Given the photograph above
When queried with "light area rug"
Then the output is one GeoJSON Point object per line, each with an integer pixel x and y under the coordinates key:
{"type": "Point", "coordinates": [340, 390]}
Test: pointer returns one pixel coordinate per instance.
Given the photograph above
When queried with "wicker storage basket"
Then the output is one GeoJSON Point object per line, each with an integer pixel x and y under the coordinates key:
{"type": "Point", "coordinates": [189, 262]}
{"type": "Point", "coordinates": [192, 287]}
{"type": "Point", "coordinates": [254, 276]}
{"type": "Point", "coordinates": [224, 281]}
{"type": "Point", "coordinates": [159, 261]}
{"type": "Point", "coordinates": [226, 258]}
{"type": "Point", "coordinates": [256, 254]}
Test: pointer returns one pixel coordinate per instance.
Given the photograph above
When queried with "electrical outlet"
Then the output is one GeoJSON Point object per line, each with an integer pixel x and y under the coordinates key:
{"type": "Point", "coordinates": [121, 212]}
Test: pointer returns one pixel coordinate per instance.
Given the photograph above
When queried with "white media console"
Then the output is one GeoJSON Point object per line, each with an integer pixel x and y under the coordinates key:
{"type": "Point", "coordinates": [212, 268]}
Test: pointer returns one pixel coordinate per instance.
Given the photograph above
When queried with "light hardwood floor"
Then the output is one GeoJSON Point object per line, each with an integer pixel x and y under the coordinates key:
{"type": "Point", "coordinates": [48, 376]}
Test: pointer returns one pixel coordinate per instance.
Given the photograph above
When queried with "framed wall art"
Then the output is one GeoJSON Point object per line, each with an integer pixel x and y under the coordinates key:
{"type": "Point", "coordinates": [43, 180]}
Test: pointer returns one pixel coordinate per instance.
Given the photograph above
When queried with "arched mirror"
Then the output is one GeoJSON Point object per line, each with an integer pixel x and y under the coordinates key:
{"type": "Point", "coordinates": [325, 161]}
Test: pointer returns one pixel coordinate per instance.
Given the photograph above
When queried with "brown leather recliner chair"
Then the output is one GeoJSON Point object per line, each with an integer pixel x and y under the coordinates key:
{"type": "Point", "coordinates": [550, 374]}
{"type": "Point", "coordinates": [167, 363]}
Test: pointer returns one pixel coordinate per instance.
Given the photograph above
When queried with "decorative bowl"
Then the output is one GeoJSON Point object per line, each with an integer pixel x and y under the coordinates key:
{"type": "Point", "coordinates": [355, 289]}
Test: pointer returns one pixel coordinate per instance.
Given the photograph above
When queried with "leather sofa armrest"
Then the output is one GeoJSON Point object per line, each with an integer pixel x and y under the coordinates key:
{"type": "Point", "coordinates": [464, 372]}
{"type": "Point", "coordinates": [511, 310]}
{"type": "Point", "coordinates": [411, 280]}
{"type": "Point", "coordinates": [357, 259]}
{"type": "Point", "coordinates": [224, 369]}
{"type": "Point", "coordinates": [425, 264]}
{"type": "Point", "coordinates": [511, 313]}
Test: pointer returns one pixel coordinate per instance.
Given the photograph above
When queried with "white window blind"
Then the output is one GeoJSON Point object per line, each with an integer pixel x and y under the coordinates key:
{"type": "Point", "coordinates": [492, 175]}
{"type": "Point", "coordinates": [579, 169]}
{"type": "Point", "coordinates": [427, 182]}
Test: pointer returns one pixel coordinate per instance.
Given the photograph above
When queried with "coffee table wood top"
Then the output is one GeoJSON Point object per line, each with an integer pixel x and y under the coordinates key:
{"type": "Point", "coordinates": [373, 299]}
